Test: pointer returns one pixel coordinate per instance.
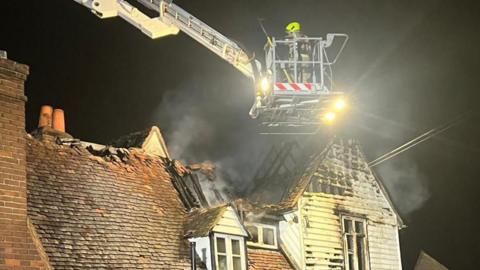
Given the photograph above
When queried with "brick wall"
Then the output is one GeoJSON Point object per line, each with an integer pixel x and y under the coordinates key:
{"type": "Point", "coordinates": [17, 249]}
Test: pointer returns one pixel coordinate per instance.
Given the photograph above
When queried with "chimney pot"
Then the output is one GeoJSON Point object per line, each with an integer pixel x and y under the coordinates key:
{"type": "Point", "coordinates": [59, 120]}
{"type": "Point", "coordinates": [3, 54]}
{"type": "Point", "coordinates": [45, 119]}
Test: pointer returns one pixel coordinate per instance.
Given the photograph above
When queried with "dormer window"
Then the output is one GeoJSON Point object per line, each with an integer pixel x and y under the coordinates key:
{"type": "Point", "coordinates": [262, 235]}
{"type": "Point", "coordinates": [219, 237]}
{"type": "Point", "coordinates": [229, 252]}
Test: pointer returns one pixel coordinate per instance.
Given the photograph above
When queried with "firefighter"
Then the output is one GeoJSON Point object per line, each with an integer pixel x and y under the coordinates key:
{"type": "Point", "coordinates": [293, 30]}
{"type": "Point", "coordinates": [299, 51]}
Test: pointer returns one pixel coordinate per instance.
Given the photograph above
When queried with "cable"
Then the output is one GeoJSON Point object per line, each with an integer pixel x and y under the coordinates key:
{"type": "Point", "coordinates": [425, 136]}
{"type": "Point", "coordinates": [415, 142]}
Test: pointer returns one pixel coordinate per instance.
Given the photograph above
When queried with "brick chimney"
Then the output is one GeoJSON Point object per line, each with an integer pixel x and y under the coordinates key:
{"type": "Point", "coordinates": [18, 250]}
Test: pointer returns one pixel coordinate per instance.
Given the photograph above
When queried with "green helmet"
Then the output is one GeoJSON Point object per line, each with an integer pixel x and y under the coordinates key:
{"type": "Point", "coordinates": [293, 27]}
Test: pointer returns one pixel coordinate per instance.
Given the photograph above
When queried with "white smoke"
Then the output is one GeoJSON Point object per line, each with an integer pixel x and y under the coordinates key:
{"type": "Point", "coordinates": [203, 121]}
{"type": "Point", "coordinates": [406, 184]}
{"type": "Point", "coordinates": [188, 129]}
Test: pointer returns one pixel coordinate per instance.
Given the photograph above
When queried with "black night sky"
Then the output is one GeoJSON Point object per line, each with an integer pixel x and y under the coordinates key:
{"type": "Point", "coordinates": [410, 65]}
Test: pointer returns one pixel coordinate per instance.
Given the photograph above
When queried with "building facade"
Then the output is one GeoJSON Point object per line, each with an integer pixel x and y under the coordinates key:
{"type": "Point", "coordinates": [337, 214]}
{"type": "Point", "coordinates": [70, 204]}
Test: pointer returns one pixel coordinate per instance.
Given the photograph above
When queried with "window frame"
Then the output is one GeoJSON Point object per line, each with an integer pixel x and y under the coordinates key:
{"type": "Point", "coordinates": [228, 250]}
{"type": "Point", "coordinates": [355, 235]}
{"type": "Point", "coordinates": [260, 228]}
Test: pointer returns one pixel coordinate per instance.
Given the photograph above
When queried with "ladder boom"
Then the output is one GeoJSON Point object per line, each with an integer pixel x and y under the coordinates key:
{"type": "Point", "coordinates": [207, 36]}
{"type": "Point", "coordinates": [171, 20]}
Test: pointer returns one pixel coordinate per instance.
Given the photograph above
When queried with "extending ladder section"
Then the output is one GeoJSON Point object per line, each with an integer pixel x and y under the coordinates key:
{"type": "Point", "coordinates": [208, 37]}
{"type": "Point", "coordinates": [171, 19]}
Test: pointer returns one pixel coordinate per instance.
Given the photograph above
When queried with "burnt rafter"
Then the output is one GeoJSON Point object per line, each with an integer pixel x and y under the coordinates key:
{"type": "Point", "coordinates": [285, 157]}
{"type": "Point", "coordinates": [282, 163]}
{"type": "Point", "coordinates": [180, 185]}
{"type": "Point", "coordinates": [198, 190]}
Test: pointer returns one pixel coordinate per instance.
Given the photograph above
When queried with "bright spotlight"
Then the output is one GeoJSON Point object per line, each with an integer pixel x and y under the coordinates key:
{"type": "Point", "coordinates": [265, 85]}
{"type": "Point", "coordinates": [340, 104]}
{"type": "Point", "coordinates": [329, 117]}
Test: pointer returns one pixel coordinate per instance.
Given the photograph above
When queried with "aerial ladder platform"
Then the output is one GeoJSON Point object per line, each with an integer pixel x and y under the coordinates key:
{"type": "Point", "coordinates": [293, 90]}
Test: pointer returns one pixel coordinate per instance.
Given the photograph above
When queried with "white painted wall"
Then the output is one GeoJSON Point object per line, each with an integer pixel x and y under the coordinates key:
{"type": "Point", "coordinates": [200, 244]}
{"type": "Point", "coordinates": [290, 239]}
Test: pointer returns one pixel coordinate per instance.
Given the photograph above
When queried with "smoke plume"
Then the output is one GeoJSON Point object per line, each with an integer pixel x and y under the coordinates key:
{"type": "Point", "coordinates": [406, 184]}
{"type": "Point", "coordinates": [209, 121]}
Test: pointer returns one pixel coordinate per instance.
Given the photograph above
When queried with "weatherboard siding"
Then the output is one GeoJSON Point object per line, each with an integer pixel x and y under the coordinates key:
{"type": "Point", "coordinates": [322, 236]}
{"type": "Point", "coordinates": [345, 185]}
{"type": "Point", "coordinates": [383, 246]}
{"type": "Point", "coordinates": [320, 215]}
{"type": "Point", "coordinates": [229, 224]}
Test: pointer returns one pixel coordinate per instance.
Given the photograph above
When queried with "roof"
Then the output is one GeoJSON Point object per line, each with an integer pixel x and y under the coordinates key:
{"type": "Point", "coordinates": [284, 162]}
{"type": "Point", "coordinates": [132, 140]}
{"type": "Point", "coordinates": [299, 185]}
{"type": "Point", "coordinates": [150, 140]}
{"type": "Point", "coordinates": [201, 221]}
{"type": "Point", "coordinates": [262, 259]}
{"type": "Point", "coordinates": [337, 165]}
{"type": "Point", "coordinates": [220, 219]}
{"type": "Point", "coordinates": [90, 213]}
{"type": "Point", "coordinates": [425, 262]}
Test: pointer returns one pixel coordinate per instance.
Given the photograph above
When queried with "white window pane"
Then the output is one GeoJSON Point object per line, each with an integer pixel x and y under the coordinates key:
{"type": "Point", "coordinates": [268, 236]}
{"type": "Point", "coordinates": [235, 247]}
{"type": "Point", "coordinates": [222, 262]}
{"type": "Point", "coordinates": [237, 263]}
{"type": "Point", "coordinates": [221, 245]}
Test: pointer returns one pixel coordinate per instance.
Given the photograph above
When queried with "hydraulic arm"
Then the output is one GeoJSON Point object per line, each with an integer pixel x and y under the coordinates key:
{"type": "Point", "coordinates": [170, 21]}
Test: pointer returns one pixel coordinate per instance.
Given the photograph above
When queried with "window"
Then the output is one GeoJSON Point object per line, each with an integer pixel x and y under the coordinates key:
{"type": "Point", "coordinates": [262, 235]}
{"type": "Point", "coordinates": [253, 230]}
{"type": "Point", "coordinates": [229, 252]}
{"type": "Point", "coordinates": [354, 237]}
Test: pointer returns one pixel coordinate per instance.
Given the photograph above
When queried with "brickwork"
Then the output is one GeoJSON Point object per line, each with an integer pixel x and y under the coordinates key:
{"type": "Point", "coordinates": [17, 250]}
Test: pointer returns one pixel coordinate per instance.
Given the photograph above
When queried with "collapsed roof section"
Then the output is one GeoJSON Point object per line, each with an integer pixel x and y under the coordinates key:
{"type": "Point", "coordinates": [282, 164]}
{"type": "Point", "coordinates": [338, 168]}
{"type": "Point", "coordinates": [150, 140]}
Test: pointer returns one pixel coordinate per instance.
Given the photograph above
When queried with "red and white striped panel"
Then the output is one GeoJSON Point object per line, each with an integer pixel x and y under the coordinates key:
{"type": "Point", "coordinates": [294, 87]}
